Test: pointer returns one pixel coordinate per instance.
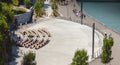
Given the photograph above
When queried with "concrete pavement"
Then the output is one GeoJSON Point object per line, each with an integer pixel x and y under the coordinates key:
{"type": "Point", "coordinates": [99, 26]}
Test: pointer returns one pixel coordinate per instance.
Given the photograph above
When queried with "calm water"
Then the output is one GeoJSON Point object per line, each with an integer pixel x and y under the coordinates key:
{"type": "Point", "coordinates": [107, 13]}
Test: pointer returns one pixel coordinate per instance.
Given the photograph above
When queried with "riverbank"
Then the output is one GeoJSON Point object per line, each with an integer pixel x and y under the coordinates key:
{"type": "Point", "coordinates": [67, 13]}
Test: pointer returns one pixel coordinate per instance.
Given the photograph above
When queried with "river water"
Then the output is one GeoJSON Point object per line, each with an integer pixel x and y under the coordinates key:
{"type": "Point", "coordinates": [106, 12]}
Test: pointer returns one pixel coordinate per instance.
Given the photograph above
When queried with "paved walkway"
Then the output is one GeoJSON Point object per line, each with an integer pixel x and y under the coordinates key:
{"type": "Point", "coordinates": [66, 11]}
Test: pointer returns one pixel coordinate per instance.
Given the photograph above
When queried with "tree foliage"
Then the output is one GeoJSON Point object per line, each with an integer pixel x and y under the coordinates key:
{"type": "Point", "coordinates": [39, 8]}
{"type": "Point", "coordinates": [56, 1]}
{"type": "Point", "coordinates": [6, 16]}
{"type": "Point", "coordinates": [29, 59]}
{"type": "Point", "coordinates": [7, 11]}
{"type": "Point", "coordinates": [53, 1]}
{"type": "Point", "coordinates": [1, 38]}
{"type": "Point", "coordinates": [6, 1]}
{"type": "Point", "coordinates": [80, 58]}
{"type": "Point", "coordinates": [2, 46]}
{"type": "Point", "coordinates": [111, 41]}
{"type": "Point", "coordinates": [15, 2]}
{"type": "Point", "coordinates": [3, 24]}
{"type": "Point", "coordinates": [55, 9]}
{"type": "Point", "coordinates": [27, 3]}
{"type": "Point", "coordinates": [54, 6]}
{"type": "Point", "coordinates": [107, 50]}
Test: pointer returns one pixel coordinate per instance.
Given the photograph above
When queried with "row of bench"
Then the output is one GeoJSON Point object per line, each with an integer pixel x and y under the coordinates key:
{"type": "Point", "coordinates": [34, 38]}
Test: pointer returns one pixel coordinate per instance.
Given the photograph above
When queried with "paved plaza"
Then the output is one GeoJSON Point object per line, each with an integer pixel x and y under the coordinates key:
{"type": "Point", "coordinates": [66, 38]}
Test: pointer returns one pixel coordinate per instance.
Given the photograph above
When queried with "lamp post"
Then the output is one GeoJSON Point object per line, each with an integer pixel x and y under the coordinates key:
{"type": "Point", "coordinates": [93, 38]}
{"type": "Point", "coordinates": [81, 12]}
{"type": "Point", "coordinates": [74, 4]}
{"type": "Point", "coordinates": [67, 9]}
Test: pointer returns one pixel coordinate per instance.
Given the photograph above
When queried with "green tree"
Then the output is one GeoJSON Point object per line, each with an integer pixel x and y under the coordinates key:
{"type": "Point", "coordinates": [7, 11]}
{"type": "Point", "coordinates": [6, 1]}
{"type": "Point", "coordinates": [111, 41]}
{"type": "Point", "coordinates": [27, 3]}
{"type": "Point", "coordinates": [107, 50]}
{"type": "Point", "coordinates": [29, 59]}
{"type": "Point", "coordinates": [3, 27]}
{"type": "Point", "coordinates": [56, 1]}
{"type": "Point", "coordinates": [54, 6]}
{"type": "Point", "coordinates": [80, 58]}
{"type": "Point", "coordinates": [1, 38]}
{"type": "Point", "coordinates": [3, 24]}
{"type": "Point", "coordinates": [55, 9]}
{"type": "Point", "coordinates": [53, 1]}
{"type": "Point", "coordinates": [15, 2]}
{"type": "Point", "coordinates": [39, 8]}
{"type": "Point", "coordinates": [6, 16]}
{"type": "Point", "coordinates": [2, 57]}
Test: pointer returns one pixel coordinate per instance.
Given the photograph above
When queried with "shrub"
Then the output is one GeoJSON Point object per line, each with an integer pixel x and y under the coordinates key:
{"type": "Point", "coordinates": [80, 58]}
{"type": "Point", "coordinates": [27, 3]}
{"type": "Point", "coordinates": [54, 6]}
{"type": "Point", "coordinates": [7, 11]}
{"type": "Point", "coordinates": [55, 9]}
{"type": "Point", "coordinates": [29, 59]}
{"type": "Point", "coordinates": [107, 50]}
{"type": "Point", "coordinates": [55, 13]}
{"type": "Point", "coordinates": [39, 8]}
{"type": "Point", "coordinates": [15, 2]}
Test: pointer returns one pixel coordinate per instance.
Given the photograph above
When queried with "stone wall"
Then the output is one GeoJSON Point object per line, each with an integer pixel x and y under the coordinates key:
{"type": "Point", "coordinates": [23, 18]}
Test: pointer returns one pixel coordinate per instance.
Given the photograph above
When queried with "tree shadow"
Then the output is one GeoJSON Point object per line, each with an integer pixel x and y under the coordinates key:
{"type": "Point", "coordinates": [15, 54]}
{"type": "Point", "coordinates": [13, 63]}
{"type": "Point", "coordinates": [15, 51]}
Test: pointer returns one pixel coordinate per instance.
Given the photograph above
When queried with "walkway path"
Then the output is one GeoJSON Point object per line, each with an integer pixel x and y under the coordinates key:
{"type": "Point", "coordinates": [66, 11]}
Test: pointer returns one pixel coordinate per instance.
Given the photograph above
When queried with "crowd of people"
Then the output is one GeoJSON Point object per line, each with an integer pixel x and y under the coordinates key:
{"type": "Point", "coordinates": [78, 13]}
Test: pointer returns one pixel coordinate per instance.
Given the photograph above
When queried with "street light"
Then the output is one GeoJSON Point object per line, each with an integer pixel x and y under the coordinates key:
{"type": "Point", "coordinates": [67, 5]}
{"type": "Point", "coordinates": [74, 5]}
{"type": "Point", "coordinates": [93, 39]}
{"type": "Point", "coordinates": [81, 12]}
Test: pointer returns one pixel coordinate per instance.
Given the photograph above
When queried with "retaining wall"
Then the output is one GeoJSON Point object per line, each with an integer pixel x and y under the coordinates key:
{"type": "Point", "coordinates": [23, 18]}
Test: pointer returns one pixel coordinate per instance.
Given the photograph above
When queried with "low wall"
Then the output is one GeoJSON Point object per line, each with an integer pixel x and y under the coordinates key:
{"type": "Point", "coordinates": [23, 18]}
